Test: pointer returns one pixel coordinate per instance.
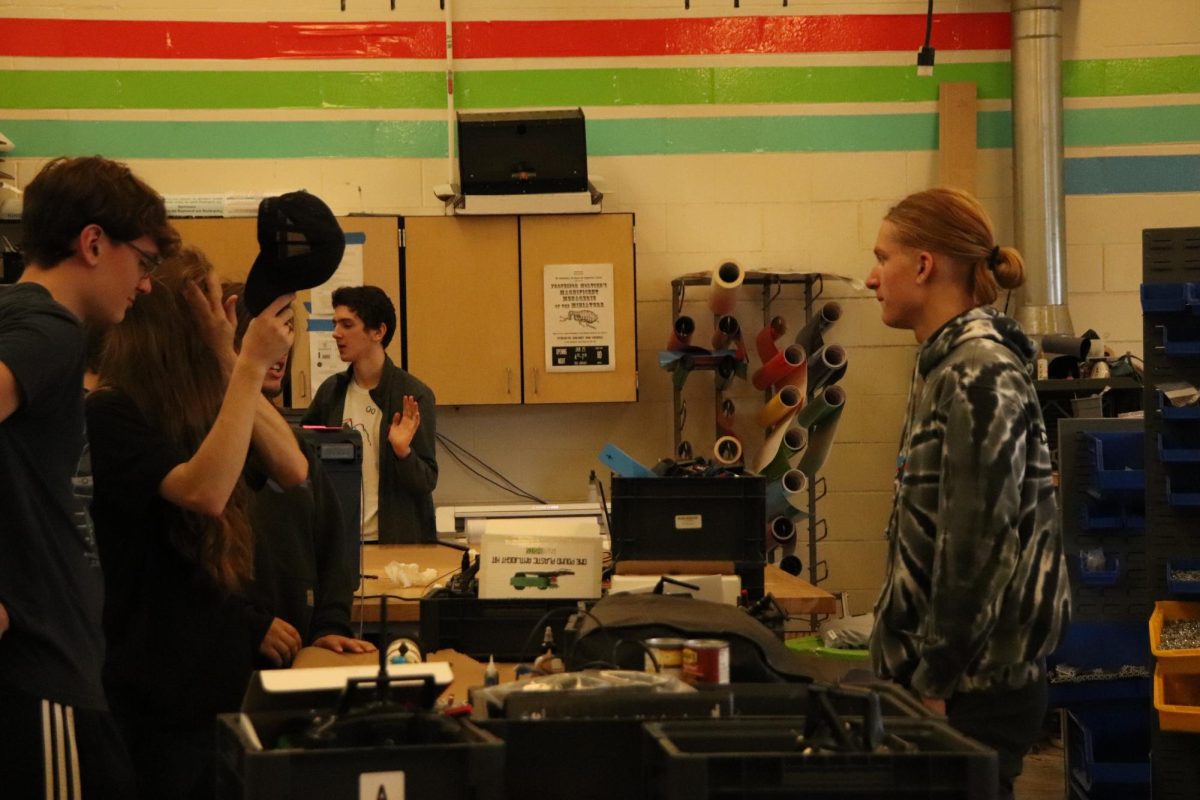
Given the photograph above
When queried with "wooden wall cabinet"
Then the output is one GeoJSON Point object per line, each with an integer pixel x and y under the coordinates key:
{"type": "Point", "coordinates": [475, 320]}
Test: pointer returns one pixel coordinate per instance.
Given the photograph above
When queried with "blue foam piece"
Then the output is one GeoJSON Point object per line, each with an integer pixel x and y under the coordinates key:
{"type": "Point", "coordinates": [623, 464]}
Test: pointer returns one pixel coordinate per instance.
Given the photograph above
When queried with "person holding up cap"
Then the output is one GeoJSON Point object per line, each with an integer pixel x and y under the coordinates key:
{"type": "Point", "coordinates": [93, 234]}
{"type": "Point", "coordinates": [305, 571]}
{"type": "Point", "coordinates": [977, 593]}
{"type": "Point", "coordinates": [394, 412]}
{"type": "Point", "coordinates": [171, 426]}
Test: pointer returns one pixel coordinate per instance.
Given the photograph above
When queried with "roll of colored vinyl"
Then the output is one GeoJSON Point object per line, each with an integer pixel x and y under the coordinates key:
{"type": "Point", "coordinates": [828, 402]}
{"type": "Point", "coordinates": [794, 440]}
{"type": "Point", "coordinates": [789, 488]}
{"type": "Point", "coordinates": [765, 341]}
{"type": "Point", "coordinates": [820, 441]}
{"type": "Point", "coordinates": [810, 336]}
{"type": "Point", "coordinates": [727, 451]}
{"type": "Point", "coordinates": [681, 333]}
{"type": "Point", "coordinates": [783, 364]}
{"type": "Point", "coordinates": [785, 401]}
{"type": "Point", "coordinates": [727, 333]}
{"type": "Point", "coordinates": [781, 529]}
{"type": "Point", "coordinates": [797, 378]}
{"type": "Point", "coordinates": [726, 280]}
{"type": "Point", "coordinates": [827, 366]}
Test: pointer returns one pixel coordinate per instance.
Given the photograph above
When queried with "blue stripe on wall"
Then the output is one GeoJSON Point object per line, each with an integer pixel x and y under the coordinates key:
{"type": "Point", "coordinates": [1131, 174]}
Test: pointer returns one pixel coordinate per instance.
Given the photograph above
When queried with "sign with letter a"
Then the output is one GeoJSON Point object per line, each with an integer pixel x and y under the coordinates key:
{"type": "Point", "coordinates": [381, 786]}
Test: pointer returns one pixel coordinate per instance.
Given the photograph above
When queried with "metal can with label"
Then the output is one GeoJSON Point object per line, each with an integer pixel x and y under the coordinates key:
{"type": "Point", "coordinates": [706, 661]}
{"type": "Point", "coordinates": [668, 652]}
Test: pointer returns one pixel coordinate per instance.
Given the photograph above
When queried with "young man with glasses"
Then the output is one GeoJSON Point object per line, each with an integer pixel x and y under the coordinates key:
{"type": "Point", "coordinates": [93, 233]}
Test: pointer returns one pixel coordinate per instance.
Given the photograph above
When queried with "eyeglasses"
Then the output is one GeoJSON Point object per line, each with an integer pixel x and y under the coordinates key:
{"type": "Point", "coordinates": [147, 262]}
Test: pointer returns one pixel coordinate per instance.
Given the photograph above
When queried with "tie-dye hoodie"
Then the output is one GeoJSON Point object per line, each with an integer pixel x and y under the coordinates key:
{"type": "Point", "coordinates": [976, 594]}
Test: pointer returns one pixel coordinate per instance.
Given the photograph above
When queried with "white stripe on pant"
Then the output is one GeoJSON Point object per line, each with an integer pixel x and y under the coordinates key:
{"type": "Point", "coordinates": [60, 758]}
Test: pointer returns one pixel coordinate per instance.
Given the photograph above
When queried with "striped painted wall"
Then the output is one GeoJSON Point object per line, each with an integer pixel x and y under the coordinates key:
{"type": "Point", "coordinates": [777, 136]}
{"type": "Point", "coordinates": [751, 83]}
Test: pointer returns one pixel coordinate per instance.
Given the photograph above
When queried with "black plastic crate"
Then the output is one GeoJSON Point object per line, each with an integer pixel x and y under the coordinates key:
{"type": "Point", "coordinates": [689, 519]}
{"type": "Point", "coordinates": [1175, 764]}
{"type": "Point", "coordinates": [588, 746]}
{"type": "Point", "coordinates": [553, 738]}
{"type": "Point", "coordinates": [509, 630]}
{"type": "Point", "coordinates": [761, 758]}
{"type": "Point", "coordinates": [444, 758]}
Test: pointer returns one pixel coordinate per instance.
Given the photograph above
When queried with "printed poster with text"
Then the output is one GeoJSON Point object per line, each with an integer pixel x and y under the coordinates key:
{"type": "Point", "coordinates": [580, 326]}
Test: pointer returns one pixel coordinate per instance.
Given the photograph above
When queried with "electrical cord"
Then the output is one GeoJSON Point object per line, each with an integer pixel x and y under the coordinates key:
{"type": "Point", "coordinates": [512, 488]}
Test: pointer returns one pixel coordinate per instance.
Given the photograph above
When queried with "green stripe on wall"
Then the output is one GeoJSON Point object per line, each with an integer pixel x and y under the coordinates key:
{"type": "Point", "coordinates": [606, 137]}
{"type": "Point", "coordinates": [31, 89]}
{"type": "Point", "coordinates": [718, 85]}
{"type": "Point", "coordinates": [348, 139]}
{"type": "Point", "coordinates": [175, 89]}
{"type": "Point", "coordinates": [1122, 77]}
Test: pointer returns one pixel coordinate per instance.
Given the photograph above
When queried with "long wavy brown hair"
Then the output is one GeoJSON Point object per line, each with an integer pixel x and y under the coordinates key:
{"type": "Point", "coordinates": [158, 357]}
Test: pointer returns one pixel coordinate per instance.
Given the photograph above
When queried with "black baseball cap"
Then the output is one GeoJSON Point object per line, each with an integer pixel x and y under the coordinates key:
{"type": "Point", "coordinates": [300, 246]}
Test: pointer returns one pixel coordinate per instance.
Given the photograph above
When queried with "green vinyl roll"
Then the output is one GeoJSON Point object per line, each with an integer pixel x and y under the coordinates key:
{"type": "Point", "coordinates": [794, 440]}
{"type": "Point", "coordinates": [820, 438]}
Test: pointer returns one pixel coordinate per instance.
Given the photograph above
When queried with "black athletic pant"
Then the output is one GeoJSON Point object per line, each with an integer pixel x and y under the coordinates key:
{"type": "Point", "coordinates": [50, 751]}
{"type": "Point", "coordinates": [1009, 722]}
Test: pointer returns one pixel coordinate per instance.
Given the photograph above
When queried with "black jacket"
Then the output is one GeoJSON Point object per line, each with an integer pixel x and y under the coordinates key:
{"type": "Point", "coordinates": [305, 568]}
{"type": "Point", "coordinates": [405, 484]}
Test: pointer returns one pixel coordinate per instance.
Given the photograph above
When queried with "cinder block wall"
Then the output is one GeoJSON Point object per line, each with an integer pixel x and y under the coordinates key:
{"type": "Point", "coordinates": [732, 138]}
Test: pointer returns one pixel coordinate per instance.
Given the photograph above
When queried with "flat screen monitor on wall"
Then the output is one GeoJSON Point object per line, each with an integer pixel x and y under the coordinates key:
{"type": "Point", "coordinates": [522, 152]}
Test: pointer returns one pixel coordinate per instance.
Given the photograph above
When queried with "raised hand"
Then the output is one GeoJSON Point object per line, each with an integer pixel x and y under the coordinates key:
{"type": "Point", "coordinates": [404, 427]}
{"type": "Point", "coordinates": [270, 335]}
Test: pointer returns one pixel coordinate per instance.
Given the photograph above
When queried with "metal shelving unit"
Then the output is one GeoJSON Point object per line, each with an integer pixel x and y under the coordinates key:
{"type": "Point", "coordinates": [772, 286]}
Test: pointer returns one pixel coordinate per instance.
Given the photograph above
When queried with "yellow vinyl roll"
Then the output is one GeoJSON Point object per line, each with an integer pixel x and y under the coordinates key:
{"type": "Point", "coordinates": [726, 280]}
{"type": "Point", "coordinates": [786, 400]}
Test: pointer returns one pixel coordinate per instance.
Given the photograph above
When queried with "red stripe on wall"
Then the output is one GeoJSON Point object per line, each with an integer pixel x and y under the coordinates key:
{"type": "Point", "coordinates": [723, 35]}
{"type": "Point", "coordinates": [86, 38]}
{"type": "Point", "coordinates": [165, 39]}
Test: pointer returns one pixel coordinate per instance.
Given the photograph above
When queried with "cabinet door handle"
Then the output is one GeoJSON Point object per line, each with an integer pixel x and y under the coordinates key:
{"type": "Point", "coordinates": [508, 380]}
{"type": "Point", "coordinates": [535, 380]}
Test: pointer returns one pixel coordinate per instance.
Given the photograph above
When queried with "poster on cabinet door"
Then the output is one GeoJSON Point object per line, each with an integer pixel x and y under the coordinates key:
{"type": "Point", "coordinates": [580, 323]}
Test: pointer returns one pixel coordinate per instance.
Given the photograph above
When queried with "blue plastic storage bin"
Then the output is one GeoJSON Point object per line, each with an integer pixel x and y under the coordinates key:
{"type": "Point", "coordinates": [1164, 298]}
{"type": "Point", "coordinates": [1108, 744]}
{"type": "Point", "coordinates": [1169, 411]}
{"type": "Point", "coordinates": [1180, 586]}
{"type": "Point", "coordinates": [1177, 449]}
{"type": "Point", "coordinates": [1100, 577]}
{"type": "Point", "coordinates": [1107, 646]}
{"type": "Point", "coordinates": [1179, 343]}
{"type": "Point", "coordinates": [1119, 460]}
{"type": "Point", "coordinates": [1183, 490]}
{"type": "Point", "coordinates": [1100, 515]}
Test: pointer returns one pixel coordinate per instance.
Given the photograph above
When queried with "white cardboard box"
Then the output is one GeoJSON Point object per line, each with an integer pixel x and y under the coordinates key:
{"type": "Point", "coordinates": [540, 560]}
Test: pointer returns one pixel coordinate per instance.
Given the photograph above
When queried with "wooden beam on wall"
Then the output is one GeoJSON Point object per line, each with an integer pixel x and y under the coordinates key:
{"type": "Point", "coordinates": [956, 135]}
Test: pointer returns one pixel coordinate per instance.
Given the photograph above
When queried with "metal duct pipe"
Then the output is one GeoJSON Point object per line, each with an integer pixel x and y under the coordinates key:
{"type": "Point", "coordinates": [1038, 164]}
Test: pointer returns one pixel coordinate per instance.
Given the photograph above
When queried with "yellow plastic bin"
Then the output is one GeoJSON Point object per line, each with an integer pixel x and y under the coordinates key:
{"type": "Point", "coordinates": [1177, 700]}
{"type": "Point", "coordinates": [1172, 662]}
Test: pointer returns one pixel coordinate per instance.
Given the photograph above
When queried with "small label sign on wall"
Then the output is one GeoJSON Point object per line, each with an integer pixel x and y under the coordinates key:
{"type": "Point", "coordinates": [689, 522]}
{"type": "Point", "coordinates": [381, 786]}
